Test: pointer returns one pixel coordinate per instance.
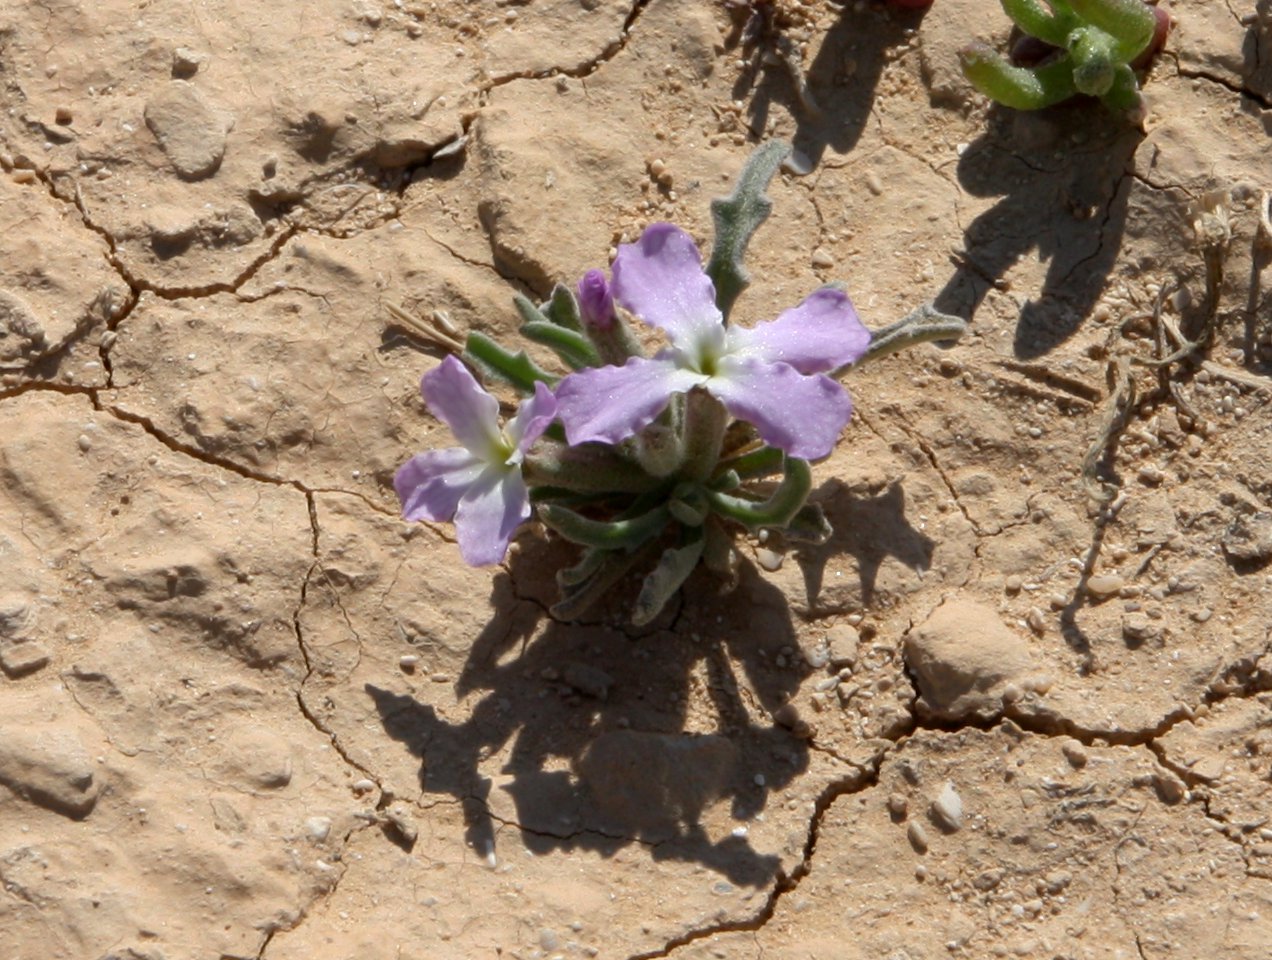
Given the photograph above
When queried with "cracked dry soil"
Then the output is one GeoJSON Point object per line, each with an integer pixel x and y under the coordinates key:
{"type": "Point", "coordinates": [245, 712]}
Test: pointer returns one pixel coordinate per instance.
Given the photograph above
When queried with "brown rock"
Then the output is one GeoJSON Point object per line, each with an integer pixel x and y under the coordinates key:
{"type": "Point", "coordinates": [189, 128]}
{"type": "Point", "coordinates": [964, 658]}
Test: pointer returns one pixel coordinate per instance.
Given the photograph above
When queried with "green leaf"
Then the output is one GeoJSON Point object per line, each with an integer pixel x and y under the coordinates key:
{"type": "Point", "coordinates": [592, 560]}
{"type": "Point", "coordinates": [514, 368]}
{"type": "Point", "coordinates": [1033, 17]}
{"type": "Point", "coordinates": [923, 324]}
{"type": "Point", "coordinates": [576, 598]}
{"type": "Point", "coordinates": [672, 571]}
{"type": "Point", "coordinates": [606, 534]}
{"type": "Point", "coordinates": [736, 220]}
{"type": "Point", "coordinates": [778, 509]}
{"type": "Point", "coordinates": [1022, 88]}
{"type": "Point", "coordinates": [718, 553]}
{"type": "Point", "coordinates": [562, 309]}
{"type": "Point", "coordinates": [588, 468]}
{"type": "Point", "coordinates": [689, 504]}
{"type": "Point", "coordinates": [1130, 23]}
{"type": "Point", "coordinates": [761, 462]}
{"type": "Point", "coordinates": [573, 348]}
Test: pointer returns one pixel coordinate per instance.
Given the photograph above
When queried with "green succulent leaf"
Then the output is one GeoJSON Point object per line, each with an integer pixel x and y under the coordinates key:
{"type": "Point", "coordinates": [1129, 23]}
{"type": "Point", "coordinates": [1023, 88]}
{"type": "Point", "coordinates": [1034, 17]}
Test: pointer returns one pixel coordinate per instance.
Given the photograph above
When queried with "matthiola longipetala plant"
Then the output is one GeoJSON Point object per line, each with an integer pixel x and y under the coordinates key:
{"type": "Point", "coordinates": [651, 463]}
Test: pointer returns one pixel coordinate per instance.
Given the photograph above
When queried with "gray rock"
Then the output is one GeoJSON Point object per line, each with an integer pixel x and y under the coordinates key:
{"type": "Point", "coordinates": [189, 128]}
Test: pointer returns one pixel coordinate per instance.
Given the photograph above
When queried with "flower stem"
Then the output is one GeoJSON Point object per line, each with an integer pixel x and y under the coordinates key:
{"type": "Point", "coordinates": [705, 420]}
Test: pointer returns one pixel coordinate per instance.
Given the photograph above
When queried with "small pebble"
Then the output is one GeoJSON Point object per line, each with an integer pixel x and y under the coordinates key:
{"type": "Point", "coordinates": [1105, 584]}
{"type": "Point", "coordinates": [917, 836]}
{"type": "Point", "coordinates": [1075, 753]}
{"type": "Point", "coordinates": [409, 662]}
{"type": "Point", "coordinates": [822, 258]}
{"type": "Point", "coordinates": [363, 786]}
{"type": "Point", "coordinates": [947, 808]}
{"type": "Point", "coordinates": [898, 805]}
{"type": "Point", "coordinates": [1013, 584]}
{"type": "Point", "coordinates": [770, 560]}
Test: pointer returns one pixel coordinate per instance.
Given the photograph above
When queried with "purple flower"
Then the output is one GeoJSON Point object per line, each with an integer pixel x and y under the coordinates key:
{"type": "Point", "coordinates": [771, 375]}
{"type": "Point", "coordinates": [596, 302]}
{"type": "Point", "coordinates": [478, 484]}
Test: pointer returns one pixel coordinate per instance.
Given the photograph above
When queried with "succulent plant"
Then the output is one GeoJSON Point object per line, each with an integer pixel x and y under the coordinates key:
{"type": "Point", "coordinates": [1095, 46]}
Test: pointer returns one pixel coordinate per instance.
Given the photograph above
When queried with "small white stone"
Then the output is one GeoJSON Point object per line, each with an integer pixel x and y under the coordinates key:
{"type": "Point", "coordinates": [947, 808]}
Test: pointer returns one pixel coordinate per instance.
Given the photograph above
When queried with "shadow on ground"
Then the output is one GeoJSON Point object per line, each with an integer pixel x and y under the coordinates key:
{"type": "Point", "coordinates": [1064, 183]}
{"type": "Point", "coordinates": [840, 81]}
{"type": "Point", "coordinates": [610, 736]}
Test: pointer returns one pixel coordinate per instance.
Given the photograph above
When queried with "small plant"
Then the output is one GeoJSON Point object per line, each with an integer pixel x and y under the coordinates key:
{"type": "Point", "coordinates": [653, 462]}
{"type": "Point", "coordinates": [1083, 46]}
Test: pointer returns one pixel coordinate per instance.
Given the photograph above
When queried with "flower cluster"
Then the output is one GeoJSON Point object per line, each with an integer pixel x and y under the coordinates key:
{"type": "Point", "coordinates": [650, 460]}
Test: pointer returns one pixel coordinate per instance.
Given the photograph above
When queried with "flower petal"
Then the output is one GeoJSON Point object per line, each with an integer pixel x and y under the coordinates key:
{"type": "Point", "coordinates": [659, 278]}
{"type": "Point", "coordinates": [489, 514]}
{"type": "Point", "coordinates": [612, 403]}
{"type": "Point", "coordinates": [799, 414]}
{"type": "Point", "coordinates": [457, 399]}
{"type": "Point", "coordinates": [821, 334]}
{"type": "Point", "coordinates": [430, 484]}
{"type": "Point", "coordinates": [533, 417]}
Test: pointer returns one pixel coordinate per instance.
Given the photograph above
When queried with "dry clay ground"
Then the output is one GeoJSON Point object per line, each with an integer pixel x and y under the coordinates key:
{"type": "Point", "coordinates": [247, 712]}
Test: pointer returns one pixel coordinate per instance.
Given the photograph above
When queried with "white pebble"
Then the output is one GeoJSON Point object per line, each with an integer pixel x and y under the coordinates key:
{"type": "Point", "coordinates": [948, 808]}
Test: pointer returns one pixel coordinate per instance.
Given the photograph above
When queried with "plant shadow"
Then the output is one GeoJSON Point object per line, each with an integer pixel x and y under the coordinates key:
{"type": "Point", "coordinates": [1064, 184]}
{"type": "Point", "coordinates": [840, 80]}
{"type": "Point", "coordinates": [589, 736]}
{"type": "Point", "coordinates": [869, 529]}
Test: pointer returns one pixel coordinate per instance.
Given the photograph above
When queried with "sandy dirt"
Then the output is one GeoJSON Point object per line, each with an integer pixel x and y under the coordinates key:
{"type": "Point", "coordinates": [246, 712]}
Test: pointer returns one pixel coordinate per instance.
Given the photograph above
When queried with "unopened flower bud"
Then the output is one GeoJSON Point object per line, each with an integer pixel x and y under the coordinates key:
{"type": "Point", "coordinates": [596, 302]}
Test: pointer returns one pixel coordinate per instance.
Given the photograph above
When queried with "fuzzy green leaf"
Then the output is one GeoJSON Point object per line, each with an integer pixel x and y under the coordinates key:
{"type": "Point", "coordinates": [736, 220]}
{"type": "Point", "coordinates": [778, 509]}
{"type": "Point", "coordinates": [588, 468]}
{"type": "Point", "coordinates": [669, 576]}
{"type": "Point", "coordinates": [573, 348]}
{"type": "Point", "coordinates": [606, 534]}
{"type": "Point", "coordinates": [563, 309]}
{"type": "Point", "coordinates": [514, 368]}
